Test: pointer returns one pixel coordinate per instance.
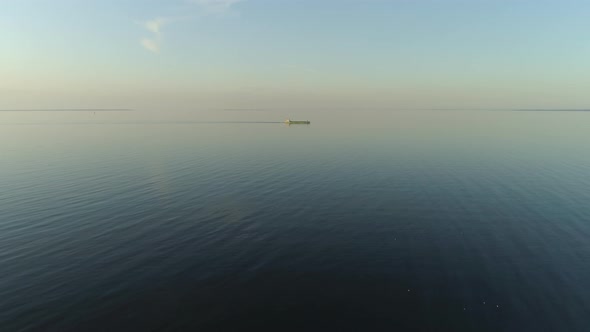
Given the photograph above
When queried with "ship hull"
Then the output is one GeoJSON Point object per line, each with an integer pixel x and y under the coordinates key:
{"type": "Point", "coordinates": [297, 122]}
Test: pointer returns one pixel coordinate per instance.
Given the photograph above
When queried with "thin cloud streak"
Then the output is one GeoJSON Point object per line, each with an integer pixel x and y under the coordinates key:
{"type": "Point", "coordinates": [215, 6]}
{"type": "Point", "coordinates": [150, 45]}
{"type": "Point", "coordinates": [156, 25]}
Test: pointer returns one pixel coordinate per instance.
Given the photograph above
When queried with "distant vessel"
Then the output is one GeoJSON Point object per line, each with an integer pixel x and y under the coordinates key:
{"type": "Point", "coordinates": [289, 121]}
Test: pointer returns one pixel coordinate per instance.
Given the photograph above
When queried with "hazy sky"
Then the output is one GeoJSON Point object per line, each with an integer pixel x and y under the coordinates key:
{"type": "Point", "coordinates": [286, 53]}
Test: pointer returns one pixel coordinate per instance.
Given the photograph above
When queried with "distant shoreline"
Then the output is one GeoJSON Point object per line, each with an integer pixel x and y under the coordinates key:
{"type": "Point", "coordinates": [550, 110]}
{"type": "Point", "coordinates": [70, 110]}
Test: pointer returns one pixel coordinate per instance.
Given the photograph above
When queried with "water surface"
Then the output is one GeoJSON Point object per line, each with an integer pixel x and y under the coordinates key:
{"type": "Point", "coordinates": [363, 220]}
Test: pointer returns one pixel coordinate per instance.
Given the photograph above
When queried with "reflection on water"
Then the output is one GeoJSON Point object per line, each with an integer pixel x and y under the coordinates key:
{"type": "Point", "coordinates": [423, 220]}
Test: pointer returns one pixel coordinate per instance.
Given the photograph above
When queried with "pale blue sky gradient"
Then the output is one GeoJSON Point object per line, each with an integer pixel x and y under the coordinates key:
{"type": "Point", "coordinates": [286, 54]}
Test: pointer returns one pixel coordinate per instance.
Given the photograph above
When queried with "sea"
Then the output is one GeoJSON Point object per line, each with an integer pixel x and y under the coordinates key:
{"type": "Point", "coordinates": [230, 220]}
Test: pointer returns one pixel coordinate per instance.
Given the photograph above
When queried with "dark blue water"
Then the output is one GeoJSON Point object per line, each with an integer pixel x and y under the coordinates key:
{"type": "Point", "coordinates": [362, 221]}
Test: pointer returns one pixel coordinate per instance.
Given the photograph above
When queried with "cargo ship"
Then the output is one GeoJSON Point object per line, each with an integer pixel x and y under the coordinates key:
{"type": "Point", "coordinates": [289, 121]}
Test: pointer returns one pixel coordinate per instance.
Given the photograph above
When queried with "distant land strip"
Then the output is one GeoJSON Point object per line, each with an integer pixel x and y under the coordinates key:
{"type": "Point", "coordinates": [136, 123]}
{"type": "Point", "coordinates": [504, 109]}
{"type": "Point", "coordinates": [552, 110]}
{"type": "Point", "coordinates": [69, 110]}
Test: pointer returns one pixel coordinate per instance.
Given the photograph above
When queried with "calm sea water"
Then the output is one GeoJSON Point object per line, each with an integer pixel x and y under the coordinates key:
{"type": "Point", "coordinates": [224, 221]}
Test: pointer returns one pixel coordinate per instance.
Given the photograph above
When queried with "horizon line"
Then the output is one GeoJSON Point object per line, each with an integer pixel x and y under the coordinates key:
{"type": "Point", "coordinates": [69, 110]}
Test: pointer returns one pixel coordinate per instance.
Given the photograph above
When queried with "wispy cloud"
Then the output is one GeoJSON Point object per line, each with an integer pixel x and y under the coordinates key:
{"type": "Point", "coordinates": [150, 45]}
{"type": "Point", "coordinates": [215, 6]}
{"type": "Point", "coordinates": [155, 26]}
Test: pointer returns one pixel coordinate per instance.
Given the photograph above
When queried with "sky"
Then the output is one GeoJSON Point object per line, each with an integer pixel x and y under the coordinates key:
{"type": "Point", "coordinates": [309, 54]}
